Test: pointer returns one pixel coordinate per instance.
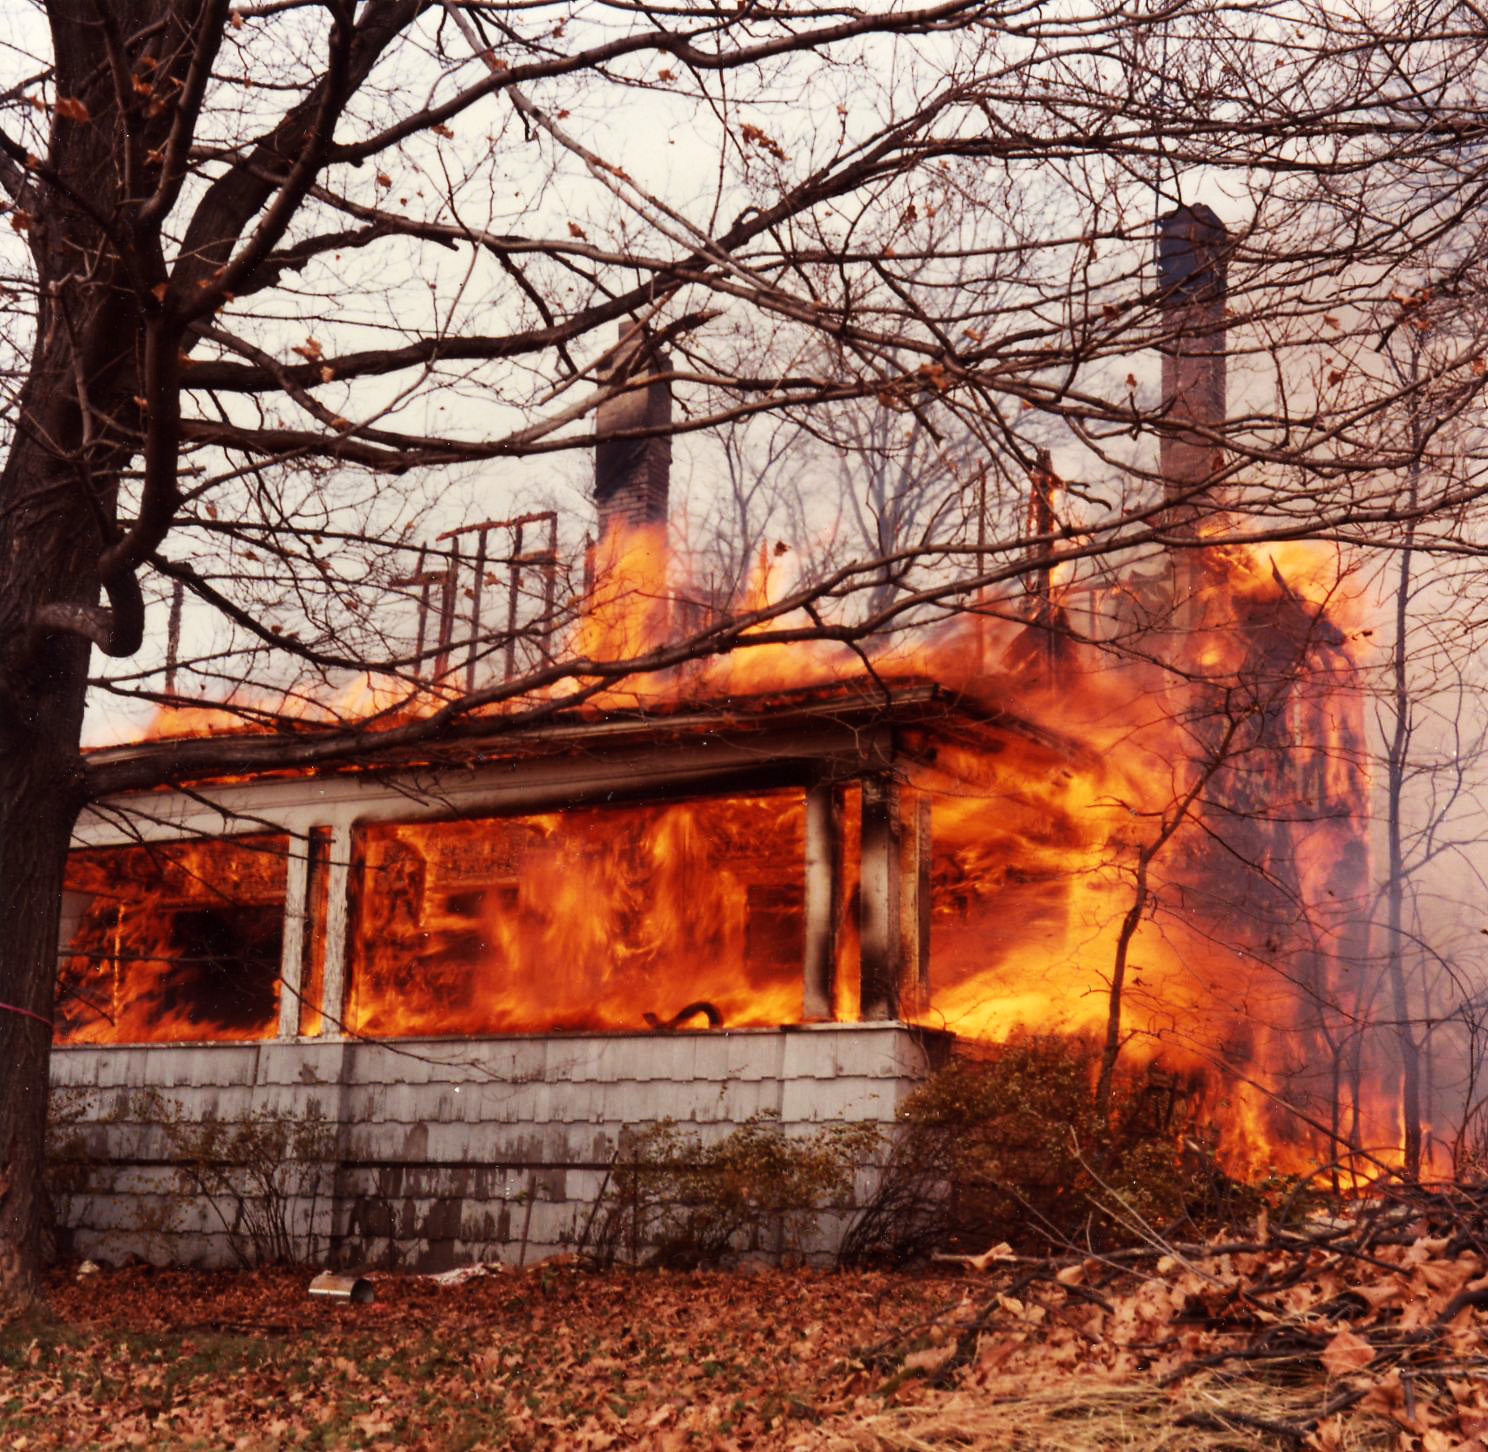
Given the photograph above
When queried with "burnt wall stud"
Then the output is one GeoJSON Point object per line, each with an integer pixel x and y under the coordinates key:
{"type": "Point", "coordinates": [823, 898]}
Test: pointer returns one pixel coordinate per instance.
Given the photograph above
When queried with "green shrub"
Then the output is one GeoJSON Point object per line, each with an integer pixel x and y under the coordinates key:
{"type": "Point", "coordinates": [673, 1200]}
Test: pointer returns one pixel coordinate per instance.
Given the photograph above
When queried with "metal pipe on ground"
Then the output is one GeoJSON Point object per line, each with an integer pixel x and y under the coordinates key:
{"type": "Point", "coordinates": [332, 1286]}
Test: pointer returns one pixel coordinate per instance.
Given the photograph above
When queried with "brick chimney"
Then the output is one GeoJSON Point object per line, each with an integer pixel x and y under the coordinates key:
{"type": "Point", "coordinates": [632, 476]}
{"type": "Point", "coordinates": [1192, 253]}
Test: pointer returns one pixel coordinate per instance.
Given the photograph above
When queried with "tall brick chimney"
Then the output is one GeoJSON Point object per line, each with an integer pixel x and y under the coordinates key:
{"type": "Point", "coordinates": [632, 476]}
{"type": "Point", "coordinates": [1192, 253]}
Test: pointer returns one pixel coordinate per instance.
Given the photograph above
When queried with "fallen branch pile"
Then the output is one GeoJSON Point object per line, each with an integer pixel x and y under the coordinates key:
{"type": "Point", "coordinates": [1364, 1330]}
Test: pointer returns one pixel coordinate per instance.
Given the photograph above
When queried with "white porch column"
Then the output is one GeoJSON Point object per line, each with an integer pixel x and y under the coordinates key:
{"type": "Point", "coordinates": [338, 879]}
{"type": "Point", "coordinates": [292, 947]}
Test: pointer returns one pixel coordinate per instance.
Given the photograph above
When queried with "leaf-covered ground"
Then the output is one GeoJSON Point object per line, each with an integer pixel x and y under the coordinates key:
{"type": "Point", "coordinates": [1366, 1329]}
{"type": "Point", "coordinates": [550, 1357]}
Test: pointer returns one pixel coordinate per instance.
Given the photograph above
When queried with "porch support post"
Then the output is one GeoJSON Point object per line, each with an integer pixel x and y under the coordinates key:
{"type": "Point", "coordinates": [895, 901]}
{"type": "Point", "coordinates": [292, 951]}
{"type": "Point", "coordinates": [823, 895]}
{"type": "Point", "coordinates": [914, 904]}
{"type": "Point", "coordinates": [881, 946]}
{"type": "Point", "coordinates": [338, 880]}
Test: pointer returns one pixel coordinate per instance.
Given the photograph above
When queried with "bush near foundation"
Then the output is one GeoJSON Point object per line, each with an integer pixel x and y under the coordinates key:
{"type": "Point", "coordinates": [1004, 1144]}
{"type": "Point", "coordinates": [65, 1177]}
{"type": "Point", "coordinates": [263, 1173]}
{"type": "Point", "coordinates": [673, 1200]}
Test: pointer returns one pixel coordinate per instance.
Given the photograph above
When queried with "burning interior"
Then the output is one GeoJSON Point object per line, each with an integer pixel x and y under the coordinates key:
{"type": "Point", "coordinates": [786, 861]}
{"type": "Point", "coordinates": [830, 854]}
{"type": "Point", "coordinates": [176, 941]}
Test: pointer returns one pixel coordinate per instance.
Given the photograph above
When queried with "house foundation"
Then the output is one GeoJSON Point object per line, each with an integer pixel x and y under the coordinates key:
{"type": "Point", "coordinates": [443, 1153]}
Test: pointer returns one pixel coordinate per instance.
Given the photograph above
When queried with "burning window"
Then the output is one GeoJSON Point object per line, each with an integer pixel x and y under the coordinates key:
{"type": "Point", "coordinates": [172, 942]}
{"type": "Point", "coordinates": [585, 919]}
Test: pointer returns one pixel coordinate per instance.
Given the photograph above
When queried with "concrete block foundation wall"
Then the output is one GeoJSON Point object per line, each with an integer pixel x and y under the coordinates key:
{"type": "Point", "coordinates": [447, 1151]}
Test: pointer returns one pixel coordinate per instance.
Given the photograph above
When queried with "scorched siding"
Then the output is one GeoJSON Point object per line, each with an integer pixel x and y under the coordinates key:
{"type": "Point", "coordinates": [452, 1151]}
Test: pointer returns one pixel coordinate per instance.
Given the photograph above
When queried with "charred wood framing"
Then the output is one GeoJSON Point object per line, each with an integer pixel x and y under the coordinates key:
{"type": "Point", "coordinates": [894, 918]}
{"type": "Point", "coordinates": [914, 902]}
{"type": "Point", "coordinates": [882, 963]}
{"type": "Point", "coordinates": [823, 898]}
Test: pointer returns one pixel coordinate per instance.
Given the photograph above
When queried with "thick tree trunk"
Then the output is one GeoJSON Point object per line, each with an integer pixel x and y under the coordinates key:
{"type": "Point", "coordinates": [86, 410]}
{"type": "Point", "coordinates": [37, 807]}
{"type": "Point", "coordinates": [41, 710]}
{"type": "Point", "coordinates": [47, 544]}
{"type": "Point", "coordinates": [78, 424]}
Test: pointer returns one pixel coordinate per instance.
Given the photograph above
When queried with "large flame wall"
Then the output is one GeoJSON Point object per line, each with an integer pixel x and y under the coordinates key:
{"type": "Point", "coordinates": [579, 920]}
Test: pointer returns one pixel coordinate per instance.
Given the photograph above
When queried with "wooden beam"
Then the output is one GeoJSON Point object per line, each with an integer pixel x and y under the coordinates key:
{"type": "Point", "coordinates": [895, 900]}
{"type": "Point", "coordinates": [823, 895]}
{"type": "Point", "coordinates": [880, 938]}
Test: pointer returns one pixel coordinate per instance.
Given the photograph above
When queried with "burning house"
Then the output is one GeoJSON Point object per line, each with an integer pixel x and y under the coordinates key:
{"type": "Point", "coordinates": [775, 893]}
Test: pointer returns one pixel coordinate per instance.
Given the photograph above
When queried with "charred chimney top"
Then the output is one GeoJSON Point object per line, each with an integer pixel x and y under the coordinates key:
{"type": "Point", "coordinates": [1192, 250]}
{"type": "Point", "coordinates": [632, 476]}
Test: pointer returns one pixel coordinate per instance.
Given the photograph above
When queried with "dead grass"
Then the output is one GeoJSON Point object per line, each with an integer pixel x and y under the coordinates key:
{"type": "Point", "coordinates": [1092, 1414]}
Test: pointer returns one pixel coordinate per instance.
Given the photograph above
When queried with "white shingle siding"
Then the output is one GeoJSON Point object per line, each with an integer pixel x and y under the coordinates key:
{"type": "Point", "coordinates": [450, 1151]}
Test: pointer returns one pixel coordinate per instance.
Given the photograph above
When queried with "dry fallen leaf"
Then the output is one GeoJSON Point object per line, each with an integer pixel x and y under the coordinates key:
{"type": "Point", "coordinates": [1347, 1353]}
{"type": "Point", "coordinates": [932, 1358]}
